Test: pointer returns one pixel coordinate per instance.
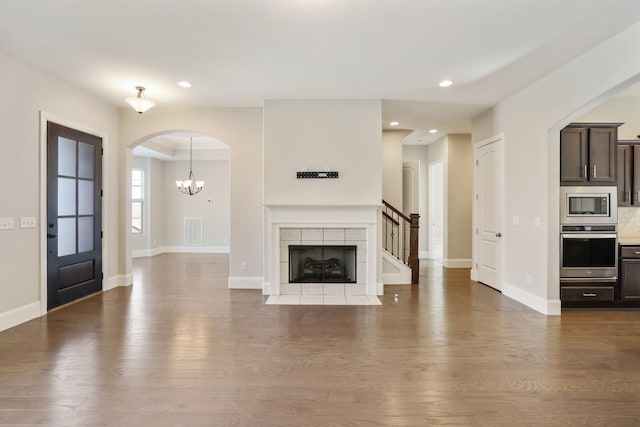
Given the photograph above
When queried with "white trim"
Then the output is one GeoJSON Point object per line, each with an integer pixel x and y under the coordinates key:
{"type": "Point", "coordinates": [245, 282]}
{"type": "Point", "coordinates": [457, 263]}
{"type": "Point", "coordinates": [266, 288]}
{"type": "Point", "coordinates": [147, 252]}
{"type": "Point", "coordinates": [474, 274]}
{"type": "Point", "coordinates": [195, 249]}
{"type": "Point", "coordinates": [379, 288]}
{"type": "Point", "coordinates": [550, 307]}
{"type": "Point", "coordinates": [116, 281]}
{"type": "Point", "coordinates": [180, 250]}
{"type": "Point", "coordinates": [48, 117]}
{"type": "Point", "coordinates": [402, 275]}
{"type": "Point", "coordinates": [423, 255]}
{"type": "Point", "coordinates": [19, 315]}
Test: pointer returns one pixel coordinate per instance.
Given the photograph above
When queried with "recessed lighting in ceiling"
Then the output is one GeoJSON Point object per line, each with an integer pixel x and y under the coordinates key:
{"type": "Point", "coordinates": [394, 123]}
{"type": "Point", "coordinates": [445, 83]}
{"type": "Point", "coordinates": [185, 83]}
{"type": "Point", "coordinates": [433, 130]}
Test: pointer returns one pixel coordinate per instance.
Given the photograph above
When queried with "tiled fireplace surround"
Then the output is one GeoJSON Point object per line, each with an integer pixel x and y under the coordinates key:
{"type": "Point", "coordinates": [322, 225]}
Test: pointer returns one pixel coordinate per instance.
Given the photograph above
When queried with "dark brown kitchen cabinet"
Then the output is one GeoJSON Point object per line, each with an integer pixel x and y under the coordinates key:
{"type": "Point", "coordinates": [630, 273]}
{"type": "Point", "coordinates": [588, 154]}
{"type": "Point", "coordinates": [628, 173]}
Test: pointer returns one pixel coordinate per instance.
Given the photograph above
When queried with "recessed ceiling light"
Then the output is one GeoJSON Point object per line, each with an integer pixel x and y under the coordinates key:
{"type": "Point", "coordinates": [445, 83]}
{"type": "Point", "coordinates": [394, 123]}
{"type": "Point", "coordinates": [433, 130]}
{"type": "Point", "coordinates": [185, 83]}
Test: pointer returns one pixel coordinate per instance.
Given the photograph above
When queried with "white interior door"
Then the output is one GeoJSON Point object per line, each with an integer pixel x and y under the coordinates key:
{"type": "Point", "coordinates": [436, 211]}
{"type": "Point", "coordinates": [489, 208]}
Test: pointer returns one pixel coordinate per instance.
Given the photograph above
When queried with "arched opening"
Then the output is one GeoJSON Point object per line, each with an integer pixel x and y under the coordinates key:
{"type": "Point", "coordinates": [159, 218]}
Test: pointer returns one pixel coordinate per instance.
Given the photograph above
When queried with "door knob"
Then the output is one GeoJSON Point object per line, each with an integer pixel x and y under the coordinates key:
{"type": "Point", "coordinates": [498, 234]}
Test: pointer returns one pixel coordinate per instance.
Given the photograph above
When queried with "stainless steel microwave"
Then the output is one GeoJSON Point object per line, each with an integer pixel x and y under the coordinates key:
{"type": "Point", "coordinates": [589, 205]}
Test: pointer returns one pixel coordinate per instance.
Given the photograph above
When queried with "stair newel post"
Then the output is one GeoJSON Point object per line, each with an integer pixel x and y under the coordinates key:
{"type": "Point", "coordinates": [414, 260]}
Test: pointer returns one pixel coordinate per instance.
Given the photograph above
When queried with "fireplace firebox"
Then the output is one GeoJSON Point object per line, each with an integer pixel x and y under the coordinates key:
{"type": "Point", "coordinates": [322, 264]}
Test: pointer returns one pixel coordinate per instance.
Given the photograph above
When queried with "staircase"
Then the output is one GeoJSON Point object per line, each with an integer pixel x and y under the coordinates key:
{"type": "Point", "coordinates": [400, 244]}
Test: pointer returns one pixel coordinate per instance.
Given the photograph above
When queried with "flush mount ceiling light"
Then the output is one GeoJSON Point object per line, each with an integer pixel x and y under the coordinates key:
{"type": "Point", "coordinates": [433, 130]}
{"type": "Point", "coordinates": [185, 84]}
{"type": "Point", "coordinates": [394, 123]}
{"type": "Point", "coordinates": [445, 83]}
{"type": "Point", "coordinates": [190, 186]}
{"type": "Point", "coordinates": [139, 103]}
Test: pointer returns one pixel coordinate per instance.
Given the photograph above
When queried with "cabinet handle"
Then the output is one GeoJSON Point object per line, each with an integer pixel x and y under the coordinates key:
{"type": "Point", "coordinates": [585, 171]}
{"type": "Point", "coordinates": [637, 252]}
{"type": "Point", "coordinates": [595, 170]}
{"type": "Point", "coordinates": [629, 199]}
{"type": "Point", "coordinates": [589, 294]}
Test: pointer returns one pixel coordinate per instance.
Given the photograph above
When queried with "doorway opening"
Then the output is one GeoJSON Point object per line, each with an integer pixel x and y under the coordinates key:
{"type": "Point", "coordinates": [161, 218]}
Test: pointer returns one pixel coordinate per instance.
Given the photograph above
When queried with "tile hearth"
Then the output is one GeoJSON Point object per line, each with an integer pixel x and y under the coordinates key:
{"type": "Point", "coordinates": [323, 300]}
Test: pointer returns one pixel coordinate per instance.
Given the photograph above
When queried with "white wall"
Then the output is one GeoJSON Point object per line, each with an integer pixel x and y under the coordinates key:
{"type": "Point", "coordinates": [392, 159]}
{"type": "Point", "coordinates": [152, 238]}
{"type": "Point", "coordinates": [241, 129]}
{"type": "Point", "coordinates": [25, 92]}
{"type": "Point", "coordinates": [530, 121]}
{"type": "Point", "coordinates": [211, 204]}
{"type": "Point", "coordinates": [343, 136]}
{"type": "Point", "coordinates": [618, 110]}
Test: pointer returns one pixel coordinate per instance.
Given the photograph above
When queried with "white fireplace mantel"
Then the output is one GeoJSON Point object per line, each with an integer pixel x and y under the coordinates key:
{"type": "Point", "coordinates": [281, 216]}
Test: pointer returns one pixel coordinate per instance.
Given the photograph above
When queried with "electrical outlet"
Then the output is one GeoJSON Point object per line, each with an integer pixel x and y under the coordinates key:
{"type": "Point", "coordinates": [243, 266]}
{"type": "Point", "coordinates": [516, 220]}
{"type": "Point", "coordinates": [6, 223]}
{"type": "Point", "coordinates": [27, 222]}
{"type": "Point", "coordinates": [537, 222]}
{"type": "Point", "coordinates": [528, 278]}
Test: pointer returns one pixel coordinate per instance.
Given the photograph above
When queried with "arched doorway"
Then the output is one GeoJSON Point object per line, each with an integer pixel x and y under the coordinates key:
{"type": "Point", "coordinates": [161, 219]}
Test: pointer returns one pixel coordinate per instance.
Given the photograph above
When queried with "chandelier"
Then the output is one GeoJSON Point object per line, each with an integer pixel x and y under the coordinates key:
{"type": "Point", "coordinates": [190, 186]}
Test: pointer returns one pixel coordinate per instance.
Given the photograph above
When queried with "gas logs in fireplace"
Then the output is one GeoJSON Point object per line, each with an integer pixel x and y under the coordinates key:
{"type": "Point", "coordinates": [322, 264]}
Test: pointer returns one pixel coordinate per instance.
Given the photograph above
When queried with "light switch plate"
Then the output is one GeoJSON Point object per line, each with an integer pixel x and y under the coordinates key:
{"type": "Point", "coordinates": [6, 223]}
{"type": "Point", "coordinates": [27, 222]}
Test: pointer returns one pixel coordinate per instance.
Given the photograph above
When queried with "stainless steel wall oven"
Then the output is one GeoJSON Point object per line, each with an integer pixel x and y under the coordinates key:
{"type": "Point", "coordinates": [588, 251]}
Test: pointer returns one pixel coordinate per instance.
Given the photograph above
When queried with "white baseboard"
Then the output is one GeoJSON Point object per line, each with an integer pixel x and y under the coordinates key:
{"type": "Point", "coordinates": [147, 252]}
{"type": "Point", "coordinates": [380, 288]}
{"type": "Point", "coordinates": [266, 288]}
{"type": "Point", "coordinates": [423, 255]}
{"type": "Point", "coordinates": [395, 279]}
{"type": "Point", "coordinates": [19, 315]}
{"type": "Point", "coordinates": [245, 282]}
{"type": "Point", "coordinates": [474, 274]}
{"type": "Point", "coordinates": [119, 280]}
{"type": "Point", "coordinates": [196, 249]}
{"type": "Point", "coordinates": [180, 250]}
{"type": "Point", "coordinates": [551, 307]}
{"type": "Point", "coordinates": [457, 263]}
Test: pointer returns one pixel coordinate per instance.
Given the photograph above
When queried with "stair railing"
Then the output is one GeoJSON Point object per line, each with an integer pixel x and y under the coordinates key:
{"type": "Point", "coordinates": [400, 237]}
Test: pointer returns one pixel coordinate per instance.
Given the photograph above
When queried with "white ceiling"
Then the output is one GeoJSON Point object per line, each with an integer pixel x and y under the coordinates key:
{"type": "Point", "coordinates": [241, 52]}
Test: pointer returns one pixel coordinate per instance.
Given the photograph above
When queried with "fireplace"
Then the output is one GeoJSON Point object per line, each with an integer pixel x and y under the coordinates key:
{"type": "Point", "coordinates": [322, 264]}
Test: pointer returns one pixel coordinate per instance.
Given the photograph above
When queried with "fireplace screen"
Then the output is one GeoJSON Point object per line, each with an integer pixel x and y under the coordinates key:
{"type": "Point", "coordinates": [322, 264]}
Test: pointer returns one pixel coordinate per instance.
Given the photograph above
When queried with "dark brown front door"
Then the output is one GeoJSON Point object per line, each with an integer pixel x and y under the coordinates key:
{"type": "Point", "coordinates": [74, 214]}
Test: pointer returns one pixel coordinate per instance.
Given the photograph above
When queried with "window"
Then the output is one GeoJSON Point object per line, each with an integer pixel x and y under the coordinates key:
{"type": "Point", "coordinates": [137, 200]}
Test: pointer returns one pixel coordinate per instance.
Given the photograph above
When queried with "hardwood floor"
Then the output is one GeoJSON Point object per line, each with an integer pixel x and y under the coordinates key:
{"type": "Point", "coordinates": [179, 349]}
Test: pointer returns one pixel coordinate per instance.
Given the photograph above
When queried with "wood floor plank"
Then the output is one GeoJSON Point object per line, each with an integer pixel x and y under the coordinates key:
{"type": "Point", "coordinates": [180, 349]}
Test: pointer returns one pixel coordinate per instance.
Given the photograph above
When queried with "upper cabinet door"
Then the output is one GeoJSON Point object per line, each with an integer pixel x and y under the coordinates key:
{"type": "Point", "coordinates": [625, 174]}
{"type": "Point", "coordinates": [573, 156]}
{"type": "Point", "coordinates": [635, 197]}
{"type": "Point", "coordinates": [602, 155]}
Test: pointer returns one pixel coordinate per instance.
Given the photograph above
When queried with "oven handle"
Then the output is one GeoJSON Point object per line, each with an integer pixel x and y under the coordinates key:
{"type": "Point", "coordinates": [589, 236]}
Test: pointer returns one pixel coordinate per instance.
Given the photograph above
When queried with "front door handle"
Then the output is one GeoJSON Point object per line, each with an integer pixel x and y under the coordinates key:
{"type": "Point", "coordinates": [52, 235]}
{"type": "Point", "coordinates": [498, 234]}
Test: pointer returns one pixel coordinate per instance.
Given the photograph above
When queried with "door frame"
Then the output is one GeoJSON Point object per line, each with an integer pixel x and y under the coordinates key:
{"type": "Point", "coordinates": [48, 117]}
{"type": "Point", "coordinates": [430, 186]}
{"type": "Point", "coordinates": [499, 140]}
